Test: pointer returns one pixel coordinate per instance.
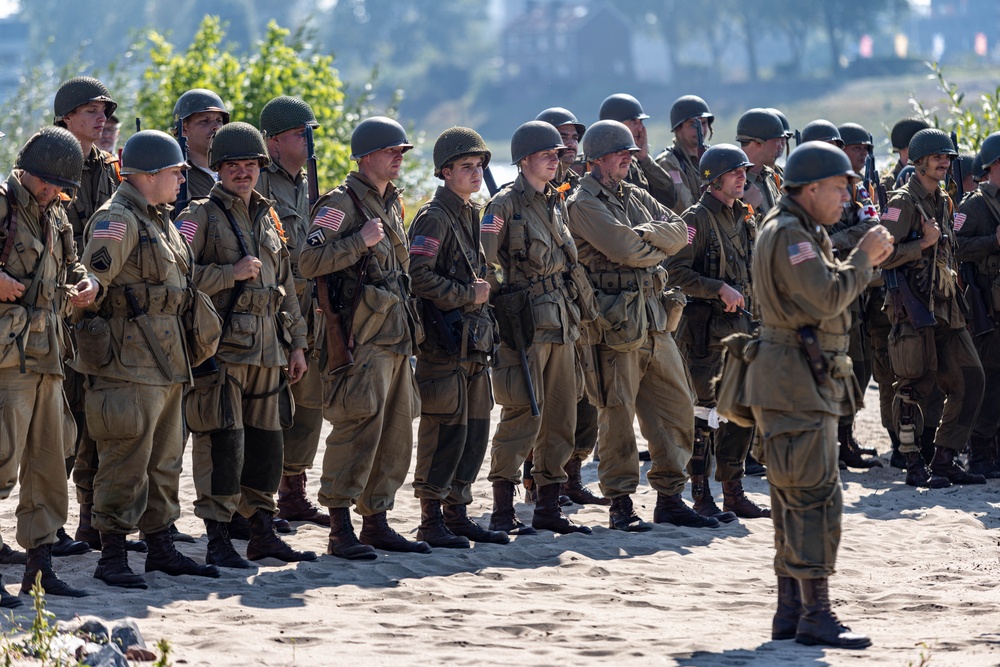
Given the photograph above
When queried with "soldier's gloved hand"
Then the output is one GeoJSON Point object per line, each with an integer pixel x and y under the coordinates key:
{"type": "Point", "coordinates": [372, 233]}
{"type": "Point", "coordinates": [482, 291]}
{"type": "Point", "coordinates": [86, 292]}
{"type": "Point", "coordinates": [247, 268]}
{"type": "Point", "coordinates": [296, 365]}
{"type": "Point", "coordinates": [731, 298]}
{"type": "Point", "coordinates": [10, 289]}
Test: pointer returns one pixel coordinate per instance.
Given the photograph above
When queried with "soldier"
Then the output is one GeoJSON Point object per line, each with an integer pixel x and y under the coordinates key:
{"type": "Point", "coordinates": [201, 113]}
{"type": "Point", "coordinates": [242, 263]}
{"type": "Point", "coordinates": [644, 172]}
{"type": "Point", "coordinates": [40, 274]}
{"type": "Point", "coordinates": [526, 240]}
{"type": "Point", "coordinates": [803, 294]}
{"type": "Point", "coordinates": [900, 136]}
{"type": "Point", "coordinates": [762, 137]}
{"type": "Point", "coordinates": [680, 161]}
{"type": "Point", "coordinates": [285, 122]}
{"type": "Point", "coordinates": [788, 134]}
{"type": "Point", "coordinates": [571, 130]}
{"type": "Point", "coordinates": [109, 135]}
{"type": "Point", "coordinates": [448, 268]}
{"type": "Point", "coordinates": [134, 387]}
{"type": "Point", "coordinates": [713, 270]}
{"type": "Point", "coordinates": [636, 370]}
{"type": "Point", "coordinates": [82, 106]}
{"type": "Point", "coordinates": [939, 352]}
{"type": "Point", "coordinates": [357, 236]}
{"type": "Point", "coordinates": [978, 237]}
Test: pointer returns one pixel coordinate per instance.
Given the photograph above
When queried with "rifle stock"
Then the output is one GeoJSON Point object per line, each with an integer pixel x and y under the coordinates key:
{"type": "Point", "coordinates": [491, 183]}
{"type": "Point", "coordinates": [339, 321]}
{"type": "Point", "coordinates": [916, 312]}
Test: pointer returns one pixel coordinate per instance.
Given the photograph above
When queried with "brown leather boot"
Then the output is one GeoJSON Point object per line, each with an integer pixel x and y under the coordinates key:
{"type": "Point", "coordinates": [944, 464]}
{"type": "Point", "coordinates": [850, 453]}
{"type": "Point", "coordinates": [623, 517]}
{"type": "Point", "coordinates": [164, 557]}
{"type": "Point", "coordinates": [265, 543]}
{"type": "Point", "coordinates": [432, 529]}
{"type": "Point", "coordinates": [704, 503]}
{"type": "Point", "coordinates": [456, 518]}
{"type": "Point", "coordinates": [343, 542]}
{"type": "Point", "coordinates": [504, 517]}
{"type": "Point", "coordinates": [294, 504]}
{"type": "Point", "coordinates": [549, 516]}
{"type": "Point", "coordinates": [574, 488]}
{"type": "Point", "coordinates": [672, 509]}
{"type": "Point", "coordinates": [735, 500]}
{"type": "Point", "coordinates": [918, 475]}
{"type": "Point", "coordinates": [375, 532]}
{"type": "Point", "coordinates": [818, 624]}
{"type": "Point", "coordinates": [786, 618]}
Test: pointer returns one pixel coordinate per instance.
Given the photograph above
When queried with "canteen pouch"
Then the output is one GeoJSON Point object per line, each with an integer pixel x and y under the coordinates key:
{"type": "Point", "coordinates": [739, 351]}
{"type": "Point", "coordinates": [93, 340]}
{"type": "Point", "coordinates": [623, 319]}
{"type": "Point", "coordinates": [202, 328]}
{"type": "Point", "coordinates": [208, 406]}
{"type": "Point", "coordinates": [673, 301]}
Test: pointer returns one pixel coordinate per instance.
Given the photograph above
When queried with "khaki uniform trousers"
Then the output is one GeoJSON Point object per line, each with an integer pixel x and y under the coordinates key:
{"type": "Point", "coordinates": [302, 439]}
{"type": "Point", "coordinates": [84, 449]}
{"type": "Point", "coordinates": [372, 407]}
{"type": "Point", "coordinates": [138, 430]}
{"type": "Point", "coordinates": [550, 435]}
{"type": "Point", "coordinates": [988, 347]}
{"type": "Point", "coordinates": [806, 499]}
{"type": "Point", "coordinates": [651, 383]}
{"type": "Point", "coordinates": [729, 444]}
{"type": "Point", "coordinates": [240, 469]}
{"type": "Point", "coordinates": [455, 404]}
{"type": "Point", "coordinates": [878, 327]}
{"type": "Point", "coordinates": [34, 424]}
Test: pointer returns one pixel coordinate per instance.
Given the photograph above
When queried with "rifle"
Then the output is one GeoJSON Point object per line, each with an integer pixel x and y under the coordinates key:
{"type": "Point", "coordinates": [871, 176]}
{"type": "Point", "coordinates": [138, 124]}
{"type": "Point", "coordinates": [701, 137]}
{"type": "Point", "coordinates": [182, 196]}
{"type": "Point", "coordinates": [982, 323]}
{"type": "Point", "coordinates": [330, 300]}
{"type": "Point", "coordinates": [516, 325]}
{"type": "Point", "coordinates": [312, 178]}
{"type": "Point", "coordinates": [955, 173]}
{"type": "Point", "coordinates": [491, 183]}
{"type": "Point", "coordinates": [904, 298]}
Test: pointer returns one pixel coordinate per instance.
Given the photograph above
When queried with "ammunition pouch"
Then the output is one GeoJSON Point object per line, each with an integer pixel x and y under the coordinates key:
{"type": "Point", "coordinates": [673, 301]}
{"type": "Point", "coordinates": [93, 337]}
{"type": "Point", "coordinates": [912, 352]}
{"type": "Point", "coordinates": [623, 319]}
{"type": "Point", "coordinates": [257, 301]}
{"type": "Point", "coordinates": [202, 327]}
{"type": "Point", "coordinates": [208, 405]}
{"type": "Point", "coordinates": [515, 319]}
{"type": "Point", "coordinates": [580, 286]}
{"type": "Point", "coordinates": [739, 351]}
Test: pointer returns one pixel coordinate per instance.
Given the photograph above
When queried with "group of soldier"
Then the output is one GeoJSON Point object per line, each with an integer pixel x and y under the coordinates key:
{"type": "Point", "coordinates": [199, 285]}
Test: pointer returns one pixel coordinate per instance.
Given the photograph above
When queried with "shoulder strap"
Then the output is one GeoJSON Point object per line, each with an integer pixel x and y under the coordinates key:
{"type": "Point", "coordinates": [240, 239]}
{"type": "Point", "coordinates": [10, 227]}
{"type": "Point", "coordinates": [456, 230]}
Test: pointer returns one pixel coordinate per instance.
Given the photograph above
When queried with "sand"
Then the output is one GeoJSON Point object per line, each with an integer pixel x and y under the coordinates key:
{"type": "Point", "coordinates": [917, 572]}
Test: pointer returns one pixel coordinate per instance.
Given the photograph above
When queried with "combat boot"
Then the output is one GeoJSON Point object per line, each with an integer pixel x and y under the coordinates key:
{"type": "Point", "coordinates": [896, 459]}
{"type": "Point", "coordinates": [850, 453]}
{"type": "Point", "coordinates": [8, 601]}
{"type": "Point", "coordinates": [456, 518]}
{"type": "Point", "coordinates": [375, 532]}
{"type": "Point", "coordinates": [164, 557]}
{"type": "Point", "coordinates": [753, 467]}
{"type": "Point", "coordinates": [944, 464]}
{"type": "Point", "coordinates": [67, 546]}
{"type": "Point", "coordinates": [239, 527]}
{"type": "Point", "coordinates": [549, 516]}
{"type": "Point", "coordinates": [86, 532]}
{"type": "Point", "coordinates": [981, 458]}
{"type": "Point", "coordinates": [622, 516]}
{"type": "Point", "coordinates": [704, 503]}
{"type": "Point", "coordinates": [40, 561]}
{"type": "Point", "coordinates": [112, 567]}
{"type": "Point", "coordinates": [343, 542]}
{"type": "Point", "coordinates": [294, 504]}
{"type": "Point", "coordinates": [432, 529]}
{"type": "Point", "coordinates": [9, 556]}
{"type": "Point", "coordinates": [918, 475]}
{"type": "Point", "coordinates": [927, 444]}
{"type": "Point", "coordinates": [735, 500]}
{"type": "Point", "coordinates": [786, 617]}
{"type": "Point", "coordinates": [818, 624]}
{"type": "Point", "coordinates": [265, 543]}
{"type": "Point", "coordinates": [175, 535]}
{"type": "Point", "coordinates": [220, 547]}
{"type": "Point", "coordinates": [504, 517]}
{"type": "Point", "coordinates": [574, 488]}
{"type": "Point", "coordinates": [672, 509]}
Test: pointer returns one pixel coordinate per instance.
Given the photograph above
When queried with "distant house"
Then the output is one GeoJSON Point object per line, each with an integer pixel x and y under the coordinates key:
{"type": "Point", "coordinates": [550, 41]}
{"type": "Point", "coordinates": [953, 30]}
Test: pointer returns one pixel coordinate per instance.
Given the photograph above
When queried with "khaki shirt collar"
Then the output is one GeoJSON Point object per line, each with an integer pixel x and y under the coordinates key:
{"type": "Point", "coordinates": [451, 201]}
{"type": "Point", "coordinates": [596, 188]}
{"type": "Point", "coordinates": [278, 170]}
{"type": "Point", "coordinates": [361, 186]}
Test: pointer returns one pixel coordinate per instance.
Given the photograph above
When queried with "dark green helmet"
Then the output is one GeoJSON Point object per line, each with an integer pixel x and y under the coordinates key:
{"type": "Point", "coordinates": [759, 125]}
{"type": "Point", "coordinates": [532, 137]}
{"type": "Point", "coordinates": [904, 130]}
{"type": "Point", "coordinates": [930, 141]}
{"type": "Point", "coordinates": [237, 141]}
{"type": "Point", "coordinates": [374, 134]}
{"type": "Point", "coordinates": [605, 137]}
{"type": "Point", "coordinates": [722, 159]}
{"type": "Point", "coordinates": [285, 113]}
{"type": "Point", "coordinates": [557, 117]}
{"type": "Point", "coordinates": [689, 106]}
{"type": "Point", "coordinates": [150, 151]}
{"type": "Point", "coordinates": [53, 155]}
{"type": "Point", "coordinates": [458, 142]}
{"type": "Point", "coordinates": [621, 107]}
{"type": "Point", "coordinates": [784, 122]}
{"type": "Point", "coordinates": [822, 130]}
{"type": "Point", "coordinates": [989, 152]}
{"type": "Point", "coordinates": [978, 173]}
{"type": "Point", "coordinates": [81, 90]}
{"type": "Point", "coordinates": [814, 161]}
{"type": "Point", "coordinates": [854, 134]}
{"type": "Point", "coordinates": [199, 100]}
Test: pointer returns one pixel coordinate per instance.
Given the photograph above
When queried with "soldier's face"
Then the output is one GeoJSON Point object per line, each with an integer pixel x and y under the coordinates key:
{"type": "Point", "coordinates": [239, 176]}
{"type": "Point", "coordinates": [164, 185]}
{"type": "Point", "coordinates": [199, 128]}
{"type": "Point", "coordinates": [857, 154]}
{"type": "Point", "coordinates": [86, 122]}
{"type": "Point", "coordinates": [383, 165]}
{"type": "Point", "coordinates": [687, 133]}
{"type": "Point", "coordinates": [937, 166]}
{"type": "Point", "coordinates": [44, 193]}
{"type": "Point", "coordinates": [542, 165]}
{"type": "Point", "coordinates": [290, 147]}
{"type": "Point", "coordinates": [771, 149]}
{"type": "Point", "coordinates": [638, 130]}
{"type": "Point", "coordinates": [824, 200]}
{"type": "Point", "coordinates": [615, 165]}
{"type": "Point", "coordinates": [109, 137]}
{"type": "Point", "coordinates": [572, 141]}
{"type": "Point", "coordinates": [465, 176]}
{"type": "Point", "coordinates": [732, 183]}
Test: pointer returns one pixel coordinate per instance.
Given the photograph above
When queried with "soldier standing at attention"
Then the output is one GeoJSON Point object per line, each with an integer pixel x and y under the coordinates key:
{"type": "Point", "coordinates": [40, 274]}
{"type": "Point", "coordinates": [525, 238]}
{"type": "Point", "coordinates": [448, 268]}
{"type": "Point", "coordinates": [636, 370]}
{"type": "Point", "coordinates": [921, 217]}
{"type": "Point", "coordinates": [201, 113]}
{"type": "Point", "coordinates": [761, 135]}
{"type": "Point", "coordinates": [133, 354]}
{"type": "Point", "coordinates": [238, 412]}
{"type": "Point", "coordinates": [713, 271]}
{"type": "Point", "coordinates": [803, 294]}
{"type": "Point", "coordinates": [83, 106]}
{"type": "Point", "coordinates": [644, 172]}
{"type": "Point", "coordinates": [284, 122]}
{"type": "Point", "coordinates": [357, 236]}
{"type": "Point", "coordinates": [680, 161]}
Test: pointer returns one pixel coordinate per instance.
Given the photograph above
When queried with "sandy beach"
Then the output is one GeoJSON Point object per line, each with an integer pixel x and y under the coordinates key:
{"type": "Point", "coordinates": [917, 571]}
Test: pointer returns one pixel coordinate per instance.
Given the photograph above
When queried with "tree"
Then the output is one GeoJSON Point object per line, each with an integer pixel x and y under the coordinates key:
{"type": "Point", "coordinates": [971, 125]}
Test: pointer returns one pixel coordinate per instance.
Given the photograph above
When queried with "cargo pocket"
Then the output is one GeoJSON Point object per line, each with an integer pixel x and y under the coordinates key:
{"type": "Point", "coordinates": [442, 396]}
{"type": "Point", "coordinates": [93, 337]}
{"type": "Point", "coordinates": [208, 405]}
{"type": "Point", "coordinates": [607, 386]}
{"type": "Point", "coordinates": [113, 414]}
{"type": "Point", "coordinates": [509, 386]}
{"type": "Point", "coordinates": [135, 352]}
{"type": "Point", "coordinates": [37, 344]}
{"type": "Point", "coordinates": [545, 310]}
{"type": "Point", "coordinates": [912, 352]}
{"type": "Point", "coordinates": [69, 428]}
{"type": "Point", "coordinates": [351, 395]}
{"type": "Point", "coordinates": [378, 317]}
{"type": "Point", "coordinates": [13, 323]}
{"type": "Point", "coordinates": [623, 319]}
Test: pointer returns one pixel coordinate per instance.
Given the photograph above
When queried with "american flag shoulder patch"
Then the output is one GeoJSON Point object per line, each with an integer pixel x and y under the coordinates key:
{"type": "Point", "coordinates": [109, 229]}
{"type": "Point", "coordinates": [891, 213]}
{"type": "Point", "coordinates": [675, 176]}
{"type": "Point", "coordinates": [959, 221]}
{"type": "Point", "coordinates": [491, 224]}
{"type": "Point", "coordinates": [801, 252]}
{"type": "Point", "coordinates": [329, 218]}
{"type": "Point", "coordinates": [425, 245]}
{"type": "Point", "coordinates": [187, 228]}
{"type": "Point", "coordinates": [692, 231]}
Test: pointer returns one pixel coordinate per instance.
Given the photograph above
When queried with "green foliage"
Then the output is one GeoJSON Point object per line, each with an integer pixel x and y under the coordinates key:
{"type": "Point", "coordinates": [970, 124]}
{"type": "Point", "coordinates": [165, 649]}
